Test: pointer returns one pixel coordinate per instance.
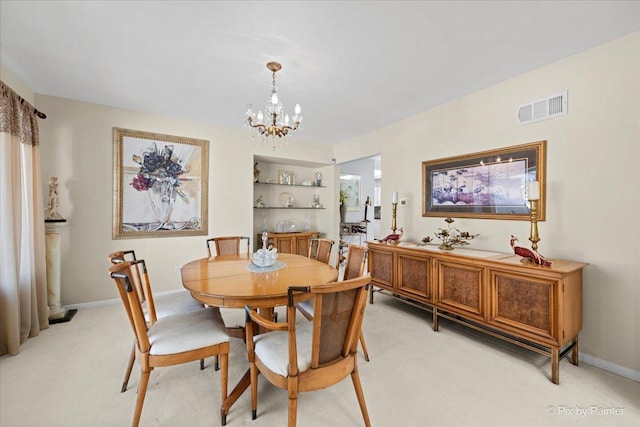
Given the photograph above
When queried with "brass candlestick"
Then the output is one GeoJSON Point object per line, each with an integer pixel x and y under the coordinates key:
{"type": "Point", "coordinates": [534, 238]}
{"type": "Point", "coordinates": [394, 212]}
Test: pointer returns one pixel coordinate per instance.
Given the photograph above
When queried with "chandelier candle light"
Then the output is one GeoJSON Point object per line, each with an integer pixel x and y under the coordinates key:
{"type": "Point", "coordinates": [269, 125]}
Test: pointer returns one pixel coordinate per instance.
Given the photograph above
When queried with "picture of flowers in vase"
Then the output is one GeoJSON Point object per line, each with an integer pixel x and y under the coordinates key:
{"type": "Point", "coordinates": [159, 176]}
{"type": "Point", "coordinates": [162, 184]}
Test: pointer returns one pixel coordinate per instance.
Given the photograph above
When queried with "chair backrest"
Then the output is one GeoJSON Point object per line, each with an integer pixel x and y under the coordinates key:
{"type": "Point", "coordinates": [123, 274]}
{"type": "Point", "coordinates": [320, 249]}
{"type": "Point", "coordinates": [228, 245]}
{"type": "Point", "coordinates": [338, 313]}
{"type": "Point", "coordinates": [140, 279]}
{"type": "Point", "coordinates": [356, 259]}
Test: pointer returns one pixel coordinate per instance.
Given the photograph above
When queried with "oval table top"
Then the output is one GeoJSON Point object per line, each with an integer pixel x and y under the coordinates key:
{"type": "Point", "coordinates": [226, 281]}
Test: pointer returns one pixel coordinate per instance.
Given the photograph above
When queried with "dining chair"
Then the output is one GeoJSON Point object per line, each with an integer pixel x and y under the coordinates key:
{"type": "Point", "coordinates": [170, 340]}
{"type": "Point", "coordinates": [320, 250]}
{"type": "Point", "coordinates": [228, 245]}
{"type": "Point", "coordinates": [316, 354]}
{"type": "Point", "coordinates": [354, 267]}
{"type": "Point", "coordinates": [153, 307]}
{"type": "Point", "coordinates": [356, 260]}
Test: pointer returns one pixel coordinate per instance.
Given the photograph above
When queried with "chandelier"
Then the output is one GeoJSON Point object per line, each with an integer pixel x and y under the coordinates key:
{"type": "Point", "coordinates": [269, 126]}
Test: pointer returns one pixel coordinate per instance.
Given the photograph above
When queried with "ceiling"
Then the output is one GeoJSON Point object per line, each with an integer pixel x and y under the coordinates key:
{"type": "Point", "coordinates": [353, 66]}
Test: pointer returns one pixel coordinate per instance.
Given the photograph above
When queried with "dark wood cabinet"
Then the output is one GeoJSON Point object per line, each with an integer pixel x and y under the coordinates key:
{"type": "Point", "coordinates": [536, 307]}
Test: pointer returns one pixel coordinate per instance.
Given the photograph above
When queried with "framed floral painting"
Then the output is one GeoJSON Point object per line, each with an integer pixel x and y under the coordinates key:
{"type": "Point", "coordinates": [160, 185]}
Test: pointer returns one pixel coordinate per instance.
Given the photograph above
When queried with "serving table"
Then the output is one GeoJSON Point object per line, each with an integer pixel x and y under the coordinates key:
{"type": "Point", "coordinates": [533, 306]}
{"type": "Point", "coordinates": [232, 281]}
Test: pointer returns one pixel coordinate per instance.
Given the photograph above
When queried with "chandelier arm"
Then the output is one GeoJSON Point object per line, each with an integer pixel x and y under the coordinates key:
{"type": "Point", "coordinates": [258, 126]}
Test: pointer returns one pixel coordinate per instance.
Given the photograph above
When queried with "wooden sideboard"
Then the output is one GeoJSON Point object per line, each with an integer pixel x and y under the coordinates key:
{"type": "Point", "coordinates": [290, 243]}
{"type": "Point", "coordinates": [535, 307]}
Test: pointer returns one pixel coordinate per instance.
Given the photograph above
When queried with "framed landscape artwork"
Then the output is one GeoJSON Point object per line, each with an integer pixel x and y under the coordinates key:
{"type": "Point", "coordinates": [350, 185]}
{"type": "Point", "coordinates": [488, 184]}
{"type": "Point", "coordinates": [160, 185]}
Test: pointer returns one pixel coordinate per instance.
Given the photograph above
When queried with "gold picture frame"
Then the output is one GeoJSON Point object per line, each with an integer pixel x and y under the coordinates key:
{"type": "Point", "coordinates": [160, 185]}
{"type": "Point", "coordinates": [489, 184]}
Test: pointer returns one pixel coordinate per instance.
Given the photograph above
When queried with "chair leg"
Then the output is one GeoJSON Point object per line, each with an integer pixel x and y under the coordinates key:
{"type": "Point", "coordinates": [224, 381]}
{"type": "Point", "coordinates": [293, 409]}
{"type": "Point", "coordinates": [127, 375]}
{"type": "Point", "coordinates": [355, 377]}
{"type": "Point", "coordinates": [254, 390]}
{"type": "Point", "coordinates": [364, 347]}
{"type": "Point", "coordinates": [216, 363]}
{"type": "Point", "coordinates": [142, 391]}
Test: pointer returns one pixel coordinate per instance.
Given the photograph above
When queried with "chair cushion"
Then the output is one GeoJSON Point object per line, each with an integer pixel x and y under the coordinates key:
{"type": "Point", "coordinates": [273, 349]}
{"type": "Point", "coordinates": [187, 331]}
{"type": "Point", "coordinates": [172, 303]}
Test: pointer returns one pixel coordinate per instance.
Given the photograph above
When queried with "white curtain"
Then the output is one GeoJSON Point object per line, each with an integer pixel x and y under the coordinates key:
{"type": "Point", "coordinates": [23, 285]}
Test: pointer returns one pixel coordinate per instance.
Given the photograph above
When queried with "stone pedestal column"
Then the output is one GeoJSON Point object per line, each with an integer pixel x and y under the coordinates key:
{"type": "Point", "coordinates": [52, 242]}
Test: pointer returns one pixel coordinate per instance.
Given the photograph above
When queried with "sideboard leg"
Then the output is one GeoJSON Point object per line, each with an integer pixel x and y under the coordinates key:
{"type": "Point", "coordinates": [574, 353]}
{"type": "Point", "coordinates": [371, 294]}
{"type": "Point", "coordinates": [555, 366]}
{"type": "Point", "coordinates": [435, 319]}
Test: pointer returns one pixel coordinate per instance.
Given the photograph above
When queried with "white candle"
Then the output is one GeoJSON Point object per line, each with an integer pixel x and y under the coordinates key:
{"type": "Point", "coordinates": [394, 197]}
{"type": "Point", "coordinates": [533, 190]}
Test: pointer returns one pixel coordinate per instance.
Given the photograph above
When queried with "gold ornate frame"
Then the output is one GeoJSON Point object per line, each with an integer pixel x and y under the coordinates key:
{"type": "Point", "coordinates": [173, 171]}
{"type": "Point", "coordinates": [488, 184]}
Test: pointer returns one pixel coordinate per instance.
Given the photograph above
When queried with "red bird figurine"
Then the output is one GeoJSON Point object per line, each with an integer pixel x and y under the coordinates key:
{"type": "Point", "coordinates": [528, 254]}
{"type": "Point", "coordinates": [394, 238]}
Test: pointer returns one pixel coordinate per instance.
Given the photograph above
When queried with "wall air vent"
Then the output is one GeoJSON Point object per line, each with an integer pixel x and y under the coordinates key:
{"type": "Point", "coordinates": [543, 109]}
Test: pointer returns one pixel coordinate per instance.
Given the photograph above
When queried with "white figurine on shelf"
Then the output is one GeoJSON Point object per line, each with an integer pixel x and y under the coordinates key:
{"type": "Point", "coordinates": [318, 178]}
{"type": "Point", "coordinates": [259, 202]}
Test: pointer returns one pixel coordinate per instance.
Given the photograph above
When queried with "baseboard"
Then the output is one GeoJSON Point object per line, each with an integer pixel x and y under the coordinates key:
{"type": "Point", "coordinates": [605, 365]}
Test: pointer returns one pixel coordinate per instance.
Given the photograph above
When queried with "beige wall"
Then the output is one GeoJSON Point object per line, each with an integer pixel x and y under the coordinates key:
{"type": "Point", "coordinates": [16, 84]}
{"type": "Point", "coordinates": [592, 178]}
{"type": "Point", "coordinates": [76, 141]}
{"type": "Point", "coordinates": [591, 183]}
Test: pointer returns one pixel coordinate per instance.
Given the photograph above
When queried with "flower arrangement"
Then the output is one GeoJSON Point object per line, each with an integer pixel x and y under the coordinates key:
{"type": "Point", "coordinates": [157, 166]}
{"type": "Point", "coordinates": [450, 236]}
{"type": "Point", "coordinates": [343, 196]}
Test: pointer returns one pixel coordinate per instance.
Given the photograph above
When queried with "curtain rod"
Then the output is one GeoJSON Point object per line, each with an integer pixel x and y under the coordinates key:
{"type": "Point", "coordinates": [35, 110]}
{"type": "Point", "coordinates": [40, 114]}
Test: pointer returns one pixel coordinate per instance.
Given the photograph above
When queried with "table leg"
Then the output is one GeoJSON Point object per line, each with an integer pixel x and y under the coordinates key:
{"type": "Point", "coordinates": [435, 319]}
{"type": "Point", "coordinates": [236, 332]}
{"type": "Point", "coordinates": [237, 391]}
{"type": "Point", "coordinates": [245, 381]}
{"type": "Point", "coordinates": [574, 353]}
{"type": "Point", "coordinates": [555, 366]}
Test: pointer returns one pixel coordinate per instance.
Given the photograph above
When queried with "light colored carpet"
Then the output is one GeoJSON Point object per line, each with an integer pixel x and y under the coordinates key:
{"type": "Point", "coordinates": [71, 375]}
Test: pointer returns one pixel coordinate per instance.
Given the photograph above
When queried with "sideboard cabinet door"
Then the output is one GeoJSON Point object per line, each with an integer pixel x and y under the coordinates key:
{"type": "Point", "coordinates": [524, 305]}
{"type": "Point", "coordinates": [381, 268]}
{"type": "Point", "coordinates": [415, 277]}
{"type": "Point", "coordinates": [462, 289]}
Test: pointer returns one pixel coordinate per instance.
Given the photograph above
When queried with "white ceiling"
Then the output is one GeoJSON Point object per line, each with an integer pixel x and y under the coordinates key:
{"type": "Point", "coordinates": [353, 66]}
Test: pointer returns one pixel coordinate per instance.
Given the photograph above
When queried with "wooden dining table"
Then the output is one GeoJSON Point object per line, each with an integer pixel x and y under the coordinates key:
{"type": "Point", "coordinates": [232, 281]}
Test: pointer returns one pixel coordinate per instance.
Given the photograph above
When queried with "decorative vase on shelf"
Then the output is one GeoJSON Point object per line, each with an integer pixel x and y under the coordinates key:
{"type": "Point", "coordinates": [343, 213]}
